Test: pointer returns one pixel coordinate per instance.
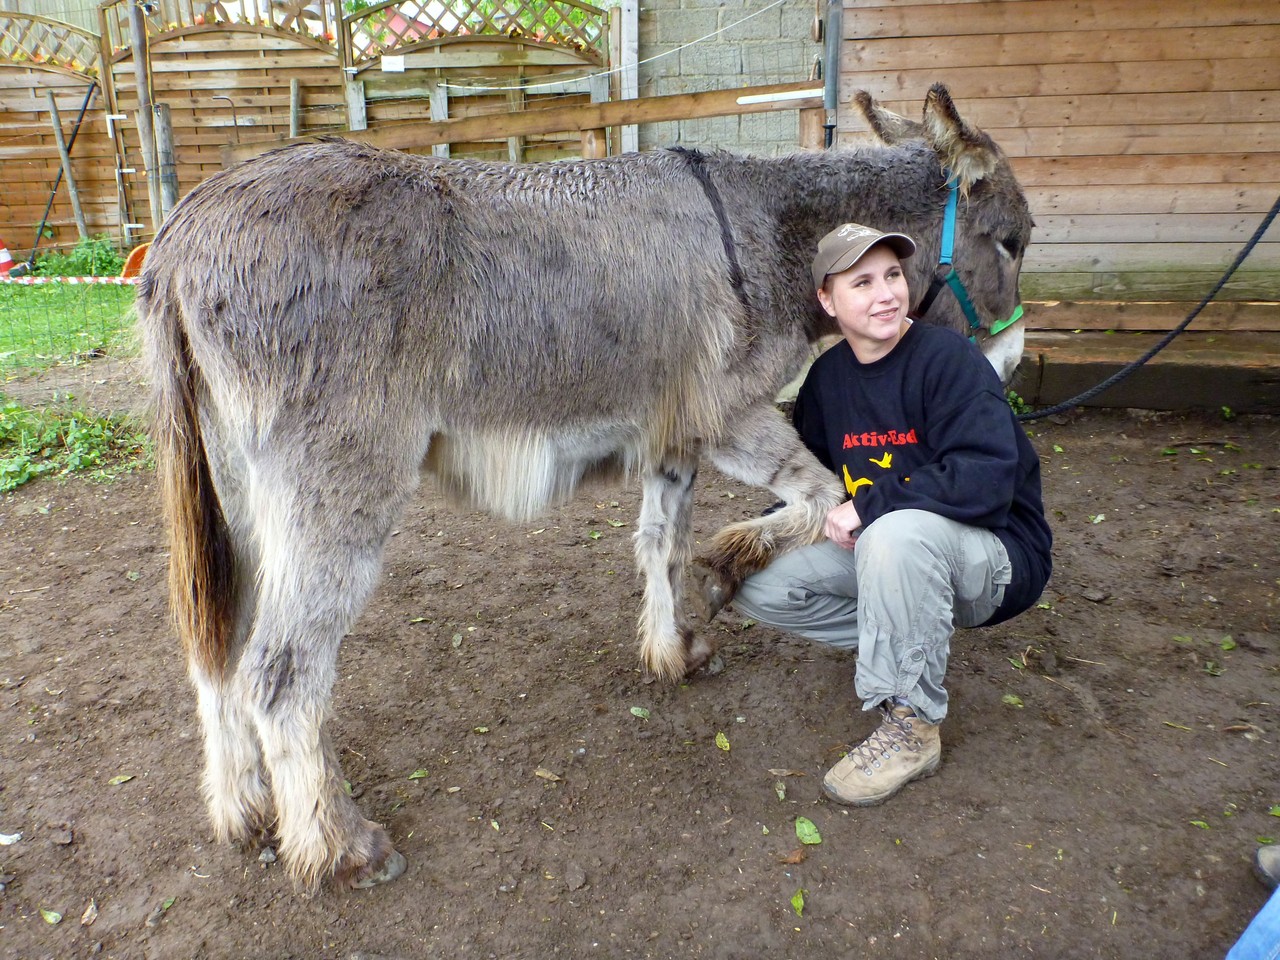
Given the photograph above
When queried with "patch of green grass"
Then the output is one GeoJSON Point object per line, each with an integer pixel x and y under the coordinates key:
{"type": "Point", "coordinates": [57, 323]}
{"type": "Point", "coordinates": [61, 442]}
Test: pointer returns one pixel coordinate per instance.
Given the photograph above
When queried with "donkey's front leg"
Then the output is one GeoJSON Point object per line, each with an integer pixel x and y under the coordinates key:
{"type": "Point", "coordinates": [761, 448]}
{"type": "Point", "coordinates": [667, 644]}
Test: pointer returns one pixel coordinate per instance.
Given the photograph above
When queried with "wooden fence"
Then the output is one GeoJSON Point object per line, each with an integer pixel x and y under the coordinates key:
{"type": "Point", "coordinates": [229, 71]}
{"type": "Point", "coordinates": [1145, 132]}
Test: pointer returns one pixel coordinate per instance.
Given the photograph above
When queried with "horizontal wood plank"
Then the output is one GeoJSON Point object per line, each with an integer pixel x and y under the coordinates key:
{"type": "Point", "coordinates": [1188, 284]}
{"type": "Point", "coordinates": [1149, 257]}
{"type": "Point", "coordinates": [1175, 170]}
{"type": "Point", "coordinates": [1067, 79]}
{"type": "Point", "coordinates": [1148, 228]}
{"type": "Point", "coordinates": [1147, 315]}
{"type": "Point", "coordinates": [1084, 46]}
{"type": "Point", "coordinates": [1015, 17]}
{"type": "Point", "coordinates": [1147, 109]}
{"type": "Point", "coordinates": [1253, 198]}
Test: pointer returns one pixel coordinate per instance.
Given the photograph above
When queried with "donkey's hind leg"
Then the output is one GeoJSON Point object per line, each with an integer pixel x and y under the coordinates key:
{"type": "Point", "coordinates": [235, 787]}
{"type": "Point", "coordinates": [667, 644]}
{"type": "Point", "coordinates": [323, 521]}
{"type": "Point", "coordinates": [759, 447]}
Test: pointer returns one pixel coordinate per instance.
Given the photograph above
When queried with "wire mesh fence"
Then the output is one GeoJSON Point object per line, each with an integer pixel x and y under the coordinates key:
{"type": "Point", "coordinates": [51, 321]}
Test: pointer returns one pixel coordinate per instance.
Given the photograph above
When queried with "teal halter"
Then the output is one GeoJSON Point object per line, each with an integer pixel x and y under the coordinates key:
{"type": "Point", "coordinates": [952, 279]}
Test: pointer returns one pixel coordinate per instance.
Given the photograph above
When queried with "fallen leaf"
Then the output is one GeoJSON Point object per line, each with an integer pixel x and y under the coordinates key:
{"type": "Point", "coordinates": [640, 712]}
{"type": "Point", "coordinates": [806, 831]}
{"type": "Point", "coordinates": [418, 774]}
{"type": "Point", "coordinates": [595, 534]}
{"type": "Point", "coordinates": [51, 917]}
{"type": "Point", "coordinates": [479, 729]}
{"type": "Point", "coordinates": [782, 772]}
{"type": "Point", "coordinates": [417, 619]}
{"type": "Point", "coordinates": [780, 789]}
{"type": "Point", "coordinates": [616, 523]}
{"type": "Point", "coordinates": [546, 774]}
{"type": "Point", "coordinates": [123, 778]}
{"type": "Point", "coordinates": [9, 839]}
{"type": "Point", "coordinates": [797, 902]}
{"type": "Point", "coordinates": [1199, 823]}
{"type": "Point", "coordinates": [798, 855]}
{"type": "Point", "coordinates": [90, 914]}
{"type": "Point", "coordinates": [1012, 700]}
{"type": "Point", "coordinates": [722, 742]}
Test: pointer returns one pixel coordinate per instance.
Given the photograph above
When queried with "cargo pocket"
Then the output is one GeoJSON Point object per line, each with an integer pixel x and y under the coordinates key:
{"type": "Point", "coordinates": [984, 573]}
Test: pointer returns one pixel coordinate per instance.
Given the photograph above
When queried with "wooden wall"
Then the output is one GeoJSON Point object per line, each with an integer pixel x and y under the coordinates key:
{"type": "Point", "coordinates": [29, 161]}
{"type": "Point", "coordinates": [192, 69]}
{"type": "Point", "coordinates": [227, 77]}
{"type": "Point", "coordinates": [1146, 132]}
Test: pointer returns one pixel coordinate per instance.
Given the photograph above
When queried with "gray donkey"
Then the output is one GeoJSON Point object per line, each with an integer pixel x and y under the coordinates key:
{"type": "Point", "coordinates": [324, 323]}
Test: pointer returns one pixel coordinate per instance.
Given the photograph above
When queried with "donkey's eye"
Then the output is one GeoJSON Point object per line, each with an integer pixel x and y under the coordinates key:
{"type": "Point", "coordinates": [1008, 248]}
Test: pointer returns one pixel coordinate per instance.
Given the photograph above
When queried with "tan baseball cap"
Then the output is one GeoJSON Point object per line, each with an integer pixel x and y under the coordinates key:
{"type": "Point", "coordinates": [844, 246]}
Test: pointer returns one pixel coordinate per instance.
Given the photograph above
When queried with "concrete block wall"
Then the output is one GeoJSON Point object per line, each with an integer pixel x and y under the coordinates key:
{"type": "Point", "coordinates": [776, 46]}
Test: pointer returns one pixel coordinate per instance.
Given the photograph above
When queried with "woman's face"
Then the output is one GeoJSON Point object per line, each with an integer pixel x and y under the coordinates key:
{"type": "Point", "coordinates": [869, 303]}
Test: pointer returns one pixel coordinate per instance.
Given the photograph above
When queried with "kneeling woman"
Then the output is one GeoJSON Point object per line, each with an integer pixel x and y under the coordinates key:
{"type": "Point", "coordinates": [944, 525]}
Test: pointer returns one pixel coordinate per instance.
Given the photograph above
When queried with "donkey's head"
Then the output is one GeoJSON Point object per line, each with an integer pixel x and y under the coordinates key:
{"type": "Point", "coordinates": [977, 290]}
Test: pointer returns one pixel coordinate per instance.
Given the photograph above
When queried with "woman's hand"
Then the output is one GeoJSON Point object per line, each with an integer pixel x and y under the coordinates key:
{"type": "Point", "coordinates": [841, 526]}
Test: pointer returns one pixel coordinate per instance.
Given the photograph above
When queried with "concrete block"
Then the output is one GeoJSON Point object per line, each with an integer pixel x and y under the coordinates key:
{"type": "Point", "coordinates": [711, 60]}
{"type": "Point", "coordinates": [681, 26]}
{"type": "Point", "coordinates": [766, 26]}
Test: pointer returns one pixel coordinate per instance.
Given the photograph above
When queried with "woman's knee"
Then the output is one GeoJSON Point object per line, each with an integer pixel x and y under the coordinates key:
{"type": "Point", "coordinates": [904, 537]}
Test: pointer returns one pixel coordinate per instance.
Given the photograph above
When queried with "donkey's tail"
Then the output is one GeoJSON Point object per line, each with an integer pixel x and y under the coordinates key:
{"type": "Point", "coordinates": [202, 572]}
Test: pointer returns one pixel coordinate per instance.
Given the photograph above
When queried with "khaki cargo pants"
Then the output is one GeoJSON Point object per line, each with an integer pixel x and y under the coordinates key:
{"type": "Point", "coordinates": [897, 597]}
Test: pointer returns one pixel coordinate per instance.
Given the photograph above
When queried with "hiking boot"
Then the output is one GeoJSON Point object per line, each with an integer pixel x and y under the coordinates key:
{"type": "Point", "coordinates": [903, 748]}
{"type": "Point", "coordinates": [1266, 864]}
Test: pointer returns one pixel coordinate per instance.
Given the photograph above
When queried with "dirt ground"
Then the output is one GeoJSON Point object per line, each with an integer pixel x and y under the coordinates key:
{"type": "Point", "coordinates": [1109, 761]}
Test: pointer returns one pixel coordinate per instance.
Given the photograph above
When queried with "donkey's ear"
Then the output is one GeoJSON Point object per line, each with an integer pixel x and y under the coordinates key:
{"type": "Point", "coordinates": [889, 127]}
{"type": "Point", "coordinates": [967, 152]}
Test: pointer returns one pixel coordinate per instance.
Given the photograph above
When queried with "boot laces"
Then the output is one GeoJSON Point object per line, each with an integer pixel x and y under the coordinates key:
{"type": "Point", "coordinates": [892, 736]}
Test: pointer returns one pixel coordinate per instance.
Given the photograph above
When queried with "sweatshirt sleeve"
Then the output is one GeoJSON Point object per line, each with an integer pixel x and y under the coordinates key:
{"type": "Point", "coordinates": [971, 473]}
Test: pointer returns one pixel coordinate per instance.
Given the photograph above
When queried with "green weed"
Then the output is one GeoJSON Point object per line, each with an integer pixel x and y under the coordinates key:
{"type": "Point", "coordinates": [1016, 403]}
{"type": "Point", "coordinates": [92, 257]}
{"type": "Point", "coordinates": [61, 442]}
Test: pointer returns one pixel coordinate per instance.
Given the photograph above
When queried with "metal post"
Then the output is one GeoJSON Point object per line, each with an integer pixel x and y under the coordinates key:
{"type": "Point", "coordinates": [831, 68]}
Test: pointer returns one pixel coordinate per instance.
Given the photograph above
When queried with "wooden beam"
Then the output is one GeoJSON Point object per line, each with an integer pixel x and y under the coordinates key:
{"type": "Point", "coordinates": [146, 129]}
{"type": "Point", "coordinates": [295, 107]}
{"type": "Point", "coordinates": [67, 173]}
{"type": "Point", "coordinates": [684, 106]}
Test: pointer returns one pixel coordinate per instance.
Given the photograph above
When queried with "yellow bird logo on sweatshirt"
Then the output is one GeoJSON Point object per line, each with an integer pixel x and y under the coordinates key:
{"type": "Point", "coordinates": [884, 461]}
{"type": "Point", "coordinates": [852, 485]}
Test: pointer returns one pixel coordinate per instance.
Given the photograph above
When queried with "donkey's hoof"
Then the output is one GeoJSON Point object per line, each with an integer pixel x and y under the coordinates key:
{"type": "Point", "coordinates": [712, 592]}
{"type": "Point", "coordinates": [392, 867]}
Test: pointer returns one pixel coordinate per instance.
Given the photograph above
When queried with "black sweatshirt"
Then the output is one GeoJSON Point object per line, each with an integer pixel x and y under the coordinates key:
{"type": "Point", "coordinates": [927, 427]}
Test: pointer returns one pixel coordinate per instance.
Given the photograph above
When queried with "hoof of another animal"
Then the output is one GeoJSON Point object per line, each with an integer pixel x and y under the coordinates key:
{"type": "Point", "coordinates": [713, 667]}
{"type": "Point", "coordinates": [712, 592]}
{"type": "Point", "coordinates": [392, 867]}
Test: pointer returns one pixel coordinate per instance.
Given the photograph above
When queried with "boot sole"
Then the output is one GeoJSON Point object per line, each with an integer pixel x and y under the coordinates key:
{"type": "Point", "coordinates": [831, 793]}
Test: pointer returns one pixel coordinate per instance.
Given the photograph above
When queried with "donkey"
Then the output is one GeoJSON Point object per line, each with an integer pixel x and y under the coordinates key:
{"type": "Point", "coordinates": [324, 323]}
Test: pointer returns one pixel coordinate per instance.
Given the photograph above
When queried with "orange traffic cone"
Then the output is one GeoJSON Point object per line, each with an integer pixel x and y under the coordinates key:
{"type": "Point", "coordinates": [6, 259]}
